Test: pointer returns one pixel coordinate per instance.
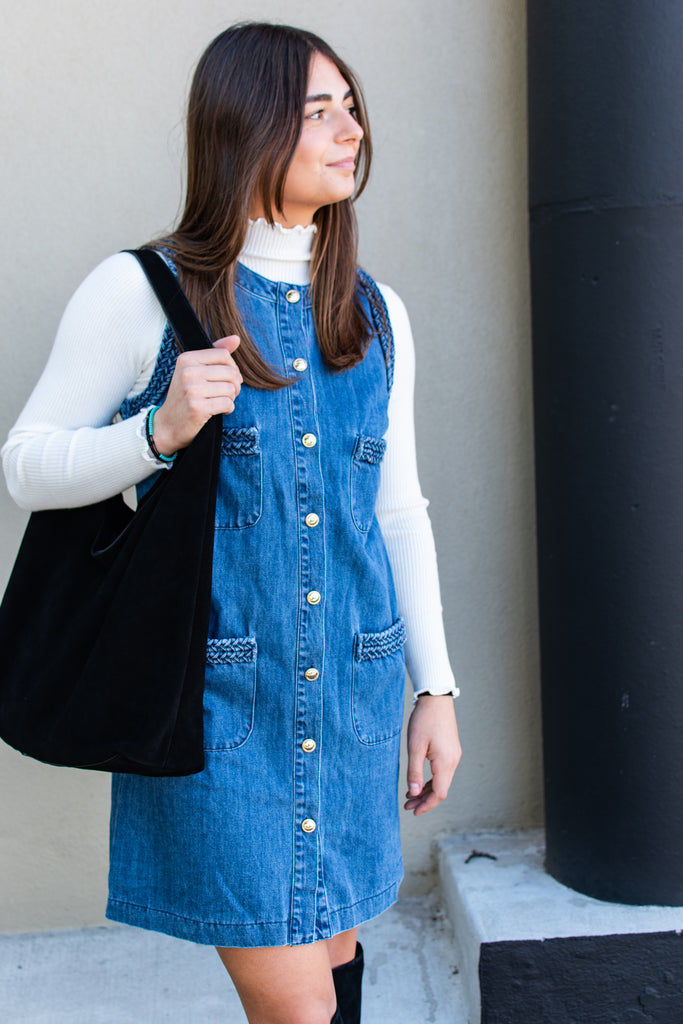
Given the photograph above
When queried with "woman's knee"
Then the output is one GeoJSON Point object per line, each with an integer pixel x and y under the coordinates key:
{"type": "Point", "coordinates": [306, 1010]}
{"type": "Point", "coordinates": [313, 1012]}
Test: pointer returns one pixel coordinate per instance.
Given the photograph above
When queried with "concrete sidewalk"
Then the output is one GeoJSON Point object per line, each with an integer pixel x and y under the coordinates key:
{"type": "Point", "coordinates": [121, 975]}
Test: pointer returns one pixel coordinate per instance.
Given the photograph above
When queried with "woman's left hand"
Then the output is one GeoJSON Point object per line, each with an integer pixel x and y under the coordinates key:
{"type": "Point", "coordinates": [432, 736]}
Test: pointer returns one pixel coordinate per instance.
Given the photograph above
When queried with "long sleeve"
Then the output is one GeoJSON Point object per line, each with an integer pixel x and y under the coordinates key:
{"type": "Point", "coordinates": [64, 450]}
{"type": "Point", "coordinates": [402, 514]}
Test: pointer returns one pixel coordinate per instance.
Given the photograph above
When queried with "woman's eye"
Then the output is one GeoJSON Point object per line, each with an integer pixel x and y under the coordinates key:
{"type": "Point", "coordinates": [315, 115]}
{"type": "Point", "coordinates": [353, 111]}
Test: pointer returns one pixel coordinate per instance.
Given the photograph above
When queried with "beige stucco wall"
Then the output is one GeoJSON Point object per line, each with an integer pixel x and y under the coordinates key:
{"type": "Point", "coordinates": [91, 156]}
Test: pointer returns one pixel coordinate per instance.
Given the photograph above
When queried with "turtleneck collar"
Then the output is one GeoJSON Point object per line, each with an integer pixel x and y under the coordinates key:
{"type": "Point", "coordinates": [280, 254]}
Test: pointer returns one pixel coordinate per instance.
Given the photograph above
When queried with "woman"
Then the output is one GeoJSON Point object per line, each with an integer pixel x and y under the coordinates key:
{"type": "Point", "coordinates": [289, 837]}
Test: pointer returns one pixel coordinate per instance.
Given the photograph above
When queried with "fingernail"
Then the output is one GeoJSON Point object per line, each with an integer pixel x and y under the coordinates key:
{"type": "Point", "coordinates": [414, 789]}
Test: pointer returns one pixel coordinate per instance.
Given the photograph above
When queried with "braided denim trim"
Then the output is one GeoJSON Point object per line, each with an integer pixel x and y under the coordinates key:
{"type": "Point", "coordinates": [167, 253]}
{"type": "Point", "coordinates": [369, 449]}
{"type": "Point", "coordinates": [231, 651]}
{"type": "Point", "coordinates": [367, 646]}
{"type": "Point", "coordinates": [240, 441]}
{"type": "Point", "coordinates": [158, 384]}
{"type": "Point", "coordinates": [380, 321]}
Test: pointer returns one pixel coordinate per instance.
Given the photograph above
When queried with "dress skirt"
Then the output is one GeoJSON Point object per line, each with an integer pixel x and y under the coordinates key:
{"type": "Point", "coordinates": [224, 857]}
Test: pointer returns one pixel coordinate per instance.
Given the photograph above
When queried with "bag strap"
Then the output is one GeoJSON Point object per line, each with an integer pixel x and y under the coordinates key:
{"type": "Point", "coordinates": [189, 333]}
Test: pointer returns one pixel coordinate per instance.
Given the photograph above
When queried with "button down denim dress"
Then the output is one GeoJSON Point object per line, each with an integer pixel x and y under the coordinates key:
{"type": "Point", "coordinates": [291, 832]}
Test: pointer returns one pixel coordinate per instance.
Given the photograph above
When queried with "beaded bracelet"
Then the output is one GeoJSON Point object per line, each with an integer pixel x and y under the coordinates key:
{"type": "Point", "coordinates": [149, 427]}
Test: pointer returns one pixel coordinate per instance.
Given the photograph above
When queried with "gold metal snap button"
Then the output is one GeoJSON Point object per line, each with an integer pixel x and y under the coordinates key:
{"type": "Point", "coordinates": [300, 365]}
{"type": "Point", "coordinates": [309, 440]}
{"type": "Point", "coordinates": [312, 519]}
{"type": "Point", "coordinates": [292, 295]}
{"type": "Point", "coordinates": [308, 825]}
{"type": "Point", "coordinates": [311, 674]}
{"type": "Point", "coordinates": [308, 746]}
{"type": "Point", "coordinates": [313, 597]}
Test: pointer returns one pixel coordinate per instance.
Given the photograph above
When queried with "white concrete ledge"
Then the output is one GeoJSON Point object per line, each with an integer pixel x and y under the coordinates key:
{"type": "Point", "coordinates": [497, 891]}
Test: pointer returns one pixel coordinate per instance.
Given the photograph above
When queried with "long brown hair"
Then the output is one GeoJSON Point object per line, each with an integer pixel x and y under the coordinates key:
{"type": "Point", "coordinates": [245, 115]}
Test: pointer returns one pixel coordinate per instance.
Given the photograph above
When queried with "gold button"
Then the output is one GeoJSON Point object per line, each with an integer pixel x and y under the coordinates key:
{"type": "Point", "coordinates": [311, 674]}
{"type": "Point", "coordinates": [308, 825]}
{"type": "Point", "coordinates": [313, 597]}
{"type": "Point", "coordinates": [309, 440]}
{"type": "Point", "coordinates": [300, 365]}
{"type": "Point", "coordinates": [292, 295]}
{"type": "Point", "coordinates": [312, 519]}
{"type": "Point", "coordinates": [308, 746]}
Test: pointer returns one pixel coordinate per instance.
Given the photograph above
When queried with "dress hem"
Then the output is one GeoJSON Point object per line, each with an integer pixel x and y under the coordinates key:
{"type": "Point", "coordinates": [244, 936]}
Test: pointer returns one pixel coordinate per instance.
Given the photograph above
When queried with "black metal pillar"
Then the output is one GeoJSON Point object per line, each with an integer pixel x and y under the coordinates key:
{"type": "Point", "coordinates": [606, 195]}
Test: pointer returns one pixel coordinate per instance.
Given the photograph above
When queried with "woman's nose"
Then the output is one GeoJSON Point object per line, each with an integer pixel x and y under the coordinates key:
{"type": "Point", "coordinates": [349, 127]}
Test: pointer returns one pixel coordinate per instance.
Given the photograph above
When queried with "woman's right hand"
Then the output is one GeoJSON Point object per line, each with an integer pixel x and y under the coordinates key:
{"type": "Point", "coordinates": [204, 383]}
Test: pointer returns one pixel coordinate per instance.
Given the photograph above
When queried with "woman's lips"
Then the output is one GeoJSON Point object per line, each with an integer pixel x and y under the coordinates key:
{"type": "Point", "coordinates": [345, 165]}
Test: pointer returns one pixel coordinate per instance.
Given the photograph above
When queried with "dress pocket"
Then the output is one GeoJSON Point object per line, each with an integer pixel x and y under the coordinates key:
{"type": "Point", "coordinates": [238, 502]}
{"type": "Point", "coordinates": [366, 461]}
{"type": "Point", "coordinates": [378, 683]}
{"type": "Point", "coordinates": [229, 692]}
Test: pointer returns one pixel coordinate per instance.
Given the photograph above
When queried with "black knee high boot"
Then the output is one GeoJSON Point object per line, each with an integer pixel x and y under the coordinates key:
{"type": "Point", "coordinates": [347, 984]}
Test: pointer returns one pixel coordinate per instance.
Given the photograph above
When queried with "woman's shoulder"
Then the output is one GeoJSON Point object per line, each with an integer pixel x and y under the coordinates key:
{"type": "Point", "coordinates": [118, 282]}
{"type": "Point", "coordinates": [399, 323]}
{"type": "Point", "coordinates": [396, 310]}
{"type": "Point", "coordinates": [116, 306]}
{"type": "Point", "coordinates": [391, 307]}
{"type": "Point", "coordinates": [397, 342]}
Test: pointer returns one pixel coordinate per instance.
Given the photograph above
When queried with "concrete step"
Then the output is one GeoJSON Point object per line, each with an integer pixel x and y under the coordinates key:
{"type": "Point", "coordinates": [534, 951]}
{"type": "Point", "coordinates": [121, 975]}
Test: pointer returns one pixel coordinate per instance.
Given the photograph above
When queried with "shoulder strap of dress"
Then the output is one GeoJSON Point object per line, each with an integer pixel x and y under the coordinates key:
{"type": "Point", "coordinates": [381, 324]}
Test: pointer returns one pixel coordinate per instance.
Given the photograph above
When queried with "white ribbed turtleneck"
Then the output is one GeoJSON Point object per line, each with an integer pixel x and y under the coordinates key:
{"type": "Point", "coordinates": [281, 254]}
{"type": "Point", "coordinates": [65, 451]}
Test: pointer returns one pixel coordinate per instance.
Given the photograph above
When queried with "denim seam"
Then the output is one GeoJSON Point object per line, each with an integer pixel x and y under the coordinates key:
{"type": "Point", "coordinates": [194, 920]}
{"type": "Point", "coordinates": [256, 295]}
{"type": "Point", "coordinates": [368, 899]}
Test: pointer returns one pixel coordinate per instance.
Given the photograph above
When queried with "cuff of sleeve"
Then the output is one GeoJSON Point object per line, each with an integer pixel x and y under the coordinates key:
{"type": "Point", "coordinates": [147, 455]}
{"type": "Point", "coordinates": [453, 692]}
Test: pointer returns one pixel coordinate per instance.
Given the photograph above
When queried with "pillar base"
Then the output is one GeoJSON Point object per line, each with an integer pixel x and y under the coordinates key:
{"type": "Point", "coordinates": [532, 950]}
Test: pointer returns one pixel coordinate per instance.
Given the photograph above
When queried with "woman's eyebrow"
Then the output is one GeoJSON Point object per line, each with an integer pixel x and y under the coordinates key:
{"type": "Point", "coordinates": [326, 97]}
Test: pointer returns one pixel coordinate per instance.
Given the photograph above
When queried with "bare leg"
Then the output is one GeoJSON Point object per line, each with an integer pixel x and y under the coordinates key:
{"type": "Point", "coordinates": [288, 984]}
{"type": "Point", "coordinates": [342, 947]}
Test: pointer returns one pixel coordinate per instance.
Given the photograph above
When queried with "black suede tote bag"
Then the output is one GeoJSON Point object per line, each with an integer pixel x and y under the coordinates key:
{"type": "Point", "coordinates": [104, 622]}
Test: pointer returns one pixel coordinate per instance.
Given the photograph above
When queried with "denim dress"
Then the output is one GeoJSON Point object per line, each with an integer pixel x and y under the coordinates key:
{"type": "Point", "coordinates": [291, 832]}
